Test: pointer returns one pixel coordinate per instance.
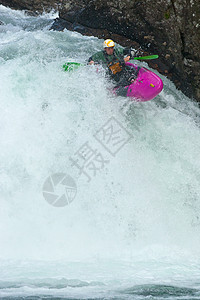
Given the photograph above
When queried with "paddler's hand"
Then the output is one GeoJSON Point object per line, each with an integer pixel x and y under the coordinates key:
{"type": "Point", "coordinates": [127, 58]}
{"type": "Point", "coordinates": [93, 62]}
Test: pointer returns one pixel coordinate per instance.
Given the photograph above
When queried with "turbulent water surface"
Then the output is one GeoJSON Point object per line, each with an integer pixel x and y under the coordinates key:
{"type": "Point", "coordinates": [132, 230]}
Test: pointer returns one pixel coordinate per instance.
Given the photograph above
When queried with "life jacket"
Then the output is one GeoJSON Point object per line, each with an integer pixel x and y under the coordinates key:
{"type": "Point", "coordinates": [115, 66]}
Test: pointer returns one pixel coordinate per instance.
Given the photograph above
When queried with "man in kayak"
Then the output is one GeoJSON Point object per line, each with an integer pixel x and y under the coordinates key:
{"type": "Point", "coordinates": [114, 61]}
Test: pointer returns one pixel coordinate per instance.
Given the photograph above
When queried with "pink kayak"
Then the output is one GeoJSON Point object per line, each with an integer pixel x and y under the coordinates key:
{"type": "Point", "coordinates": [145, 87]}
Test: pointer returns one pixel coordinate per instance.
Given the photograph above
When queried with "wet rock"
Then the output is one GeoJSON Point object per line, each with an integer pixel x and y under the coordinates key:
{"type": "Point", "coordinates": [31, 13]}
{"type": "Point", "coordinates": [36, 6]}
{"type": "Point", "coordinates": [61, 24]}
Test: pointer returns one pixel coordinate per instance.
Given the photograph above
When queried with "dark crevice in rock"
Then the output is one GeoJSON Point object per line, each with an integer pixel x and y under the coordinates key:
{"type": "Point", "coordinates": [184, 54]}
{"type": "Point", "coordinates": [174, 9]}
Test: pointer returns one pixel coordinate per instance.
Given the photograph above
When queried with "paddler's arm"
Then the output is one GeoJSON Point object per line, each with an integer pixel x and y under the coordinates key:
{"type": "Point", "coordinates": [130, 53]}
{"type": "Point", "coordinates": [90, 61]}
{"type": "Point", "coordinates": [126, 53]}
{"type": "Point", "coordinates": [96, 58]}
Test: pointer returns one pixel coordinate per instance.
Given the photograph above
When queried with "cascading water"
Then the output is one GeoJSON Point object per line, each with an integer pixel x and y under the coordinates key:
{"type": "Point", "coordinates": [132, 229]}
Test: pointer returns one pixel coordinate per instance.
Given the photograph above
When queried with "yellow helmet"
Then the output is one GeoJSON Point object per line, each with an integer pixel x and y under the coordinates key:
{"type": "Point", "coordinates": [108, 43]}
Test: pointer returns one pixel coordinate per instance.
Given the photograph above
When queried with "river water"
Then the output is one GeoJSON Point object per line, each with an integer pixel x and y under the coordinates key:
{"type": "Point", "coordinates": [132, 227]}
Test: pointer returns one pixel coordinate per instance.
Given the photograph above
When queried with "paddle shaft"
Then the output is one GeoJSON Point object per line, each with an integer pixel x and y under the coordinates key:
{"type": "Point", "coordinates": [146, 57]}
{"type": "Point", "coordinates": [71, 66]}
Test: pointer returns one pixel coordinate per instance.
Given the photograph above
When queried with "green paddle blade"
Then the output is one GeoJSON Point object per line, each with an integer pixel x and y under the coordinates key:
{"type": "Point", "coordinates": [71, 66]}
{"type": "Point", "coordinates": [147, 57]}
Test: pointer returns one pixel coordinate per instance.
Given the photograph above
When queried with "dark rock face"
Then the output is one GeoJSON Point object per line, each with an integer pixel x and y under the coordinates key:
{"type": "Point", "coordinates": [60, 24]}
{"type": "Point", "coordinates": [170, 28]}
{"type": "Point", "coordinates": [34, 6]}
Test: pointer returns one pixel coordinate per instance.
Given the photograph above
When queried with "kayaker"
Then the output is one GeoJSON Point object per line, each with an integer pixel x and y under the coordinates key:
{"type": "Point", "coordinates": [114, 60]}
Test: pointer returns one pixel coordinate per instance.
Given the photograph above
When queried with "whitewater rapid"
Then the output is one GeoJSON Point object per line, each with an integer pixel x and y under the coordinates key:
{"type": "Point", "coordinates": [137, 221]}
